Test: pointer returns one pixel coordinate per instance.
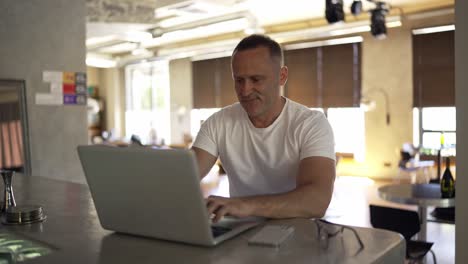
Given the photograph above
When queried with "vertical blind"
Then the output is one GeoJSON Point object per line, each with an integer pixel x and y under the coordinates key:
{"type": "Point", "coordinates": [341, 75]}
{"type": "Point", "coordinates": [213, 86]}
{"type": "Point", "coordinates": [302, 84]}
{"type": "Point", "coordinates": [204, 84]}
{"type": "Point", "coordinates": [328, 76]}
{"type": "Point", "coordinates": [226, 89]}
{"type": "Point", "coordinates": [434, 69]}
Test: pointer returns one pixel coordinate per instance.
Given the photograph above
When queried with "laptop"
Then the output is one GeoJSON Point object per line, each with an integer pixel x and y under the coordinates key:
{"type": "Point", "coordinates": [153, 193]}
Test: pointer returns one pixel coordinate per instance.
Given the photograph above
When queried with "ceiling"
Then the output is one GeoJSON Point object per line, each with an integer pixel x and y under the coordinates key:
{"type": "Point", "coordinates": [124, 30]}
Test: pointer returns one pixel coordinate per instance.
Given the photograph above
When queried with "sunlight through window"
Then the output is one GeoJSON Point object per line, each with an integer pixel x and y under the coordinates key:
{"type": "Point", "coordinates": [349, 130]}
{"type": "Point", "coordinates": [147, 113]}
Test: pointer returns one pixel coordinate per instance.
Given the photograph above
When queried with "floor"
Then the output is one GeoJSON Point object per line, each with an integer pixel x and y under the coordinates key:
{"type": "Point", "coordinates": [350, 206]}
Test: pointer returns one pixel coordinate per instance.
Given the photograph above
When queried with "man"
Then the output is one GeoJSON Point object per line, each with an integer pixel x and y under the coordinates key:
{"type": "Point", "coordinates": [278, 155]}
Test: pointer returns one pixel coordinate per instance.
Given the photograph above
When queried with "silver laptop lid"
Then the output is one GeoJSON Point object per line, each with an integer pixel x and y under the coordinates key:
{"type": "Point", "coordinates": [147, 192]}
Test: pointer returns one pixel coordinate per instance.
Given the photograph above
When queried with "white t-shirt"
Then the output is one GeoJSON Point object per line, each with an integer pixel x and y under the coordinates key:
{"type": "Point", "coordinates": [265, 160]}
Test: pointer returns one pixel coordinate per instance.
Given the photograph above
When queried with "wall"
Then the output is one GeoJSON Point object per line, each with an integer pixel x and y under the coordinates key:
{"type": "Point", "coordinates": [387, 65]}
{"type": "Point", "coordinates": [181, 98]}
{"type": "Point", "coordinates": [92, 75]}
{"type": "Point", "coordinates": [461, 82]}
{"type": "Point", "coordinates": [38, 36]}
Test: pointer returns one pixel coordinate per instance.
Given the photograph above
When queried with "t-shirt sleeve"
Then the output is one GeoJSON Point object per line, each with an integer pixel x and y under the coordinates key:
{"type": "Point", "coordinates": [316, 137]}
{"type": "Point", "coordinates": [206, 137]}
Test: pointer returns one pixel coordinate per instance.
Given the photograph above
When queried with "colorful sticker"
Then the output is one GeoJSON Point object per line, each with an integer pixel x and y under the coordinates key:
{"type": "Point", "coordinates": [69, 99]}
{"type": "Point", "coordinates": [68, 77]}
{"type": "Point", "coordinates": [80, 78]}
{"type": "Point", "coordinates": [68, 88]}
{"type": "Point", "coordinates": [80, 88]}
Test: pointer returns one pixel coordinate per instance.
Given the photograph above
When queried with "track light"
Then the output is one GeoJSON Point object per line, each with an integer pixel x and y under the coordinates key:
{"type": "Point", "coordinates": [334, 11]}
{"type": "Point", "coordinates": [378, 27]}
{"type": "Point", "coordinates": [356, 7]}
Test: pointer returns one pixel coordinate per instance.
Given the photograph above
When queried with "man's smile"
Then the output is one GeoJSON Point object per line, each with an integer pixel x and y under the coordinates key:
{"type": "Point", "coordinates": [249, 99]}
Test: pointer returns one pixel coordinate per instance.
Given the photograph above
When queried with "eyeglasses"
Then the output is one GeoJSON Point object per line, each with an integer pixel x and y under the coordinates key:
{"type": "Point", "coordinates": [327, 230]}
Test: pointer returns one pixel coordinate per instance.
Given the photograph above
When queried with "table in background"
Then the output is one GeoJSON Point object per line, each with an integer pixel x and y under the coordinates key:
{"type": "Point", "coordinates": [422, 195]}
{"type": "Point", "coordinates": [73, 228]}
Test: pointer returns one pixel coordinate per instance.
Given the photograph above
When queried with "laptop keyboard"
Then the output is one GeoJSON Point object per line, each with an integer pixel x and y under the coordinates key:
{"type": "Point", "coordinates": [219, 230]}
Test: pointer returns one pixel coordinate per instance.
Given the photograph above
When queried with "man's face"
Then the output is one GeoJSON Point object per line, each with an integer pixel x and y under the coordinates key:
{"type": "Point", "coordinates": [257, 80]}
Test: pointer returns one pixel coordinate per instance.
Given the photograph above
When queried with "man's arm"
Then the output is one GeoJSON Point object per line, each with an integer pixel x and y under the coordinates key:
{"type": "Point", "coordinates": [310, 199]}
{"type": "Point", "coordinates": [205, 161]}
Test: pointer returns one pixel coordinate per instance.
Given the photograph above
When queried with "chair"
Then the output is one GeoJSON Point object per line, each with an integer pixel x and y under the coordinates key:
{"type": "Point", "coordinates": [406, 223]}
{"type": "Point", "coordinates": [443, 215]}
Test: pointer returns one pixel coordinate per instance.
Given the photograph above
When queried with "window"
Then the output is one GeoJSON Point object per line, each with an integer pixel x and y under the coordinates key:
{"type": "Point", "coordinates": [148, 106]}
{"type": "Point", "coordinates": [435, 128]}
{"type": "Point", "coordinates": [434, 92]}
{"type": "Point", "coordinates": [434, 69]}
{"type": "Point", "coordinates": [347, 124]}
{"type": "Point", "coordinates": [197, 117]}
{"type": "Point", "coordinates": [213, 86]}
{"type": "Point", "coordinates": [329, 77]}
{"type": "Point", "coordinates": [349, 130]}
{"type": "Point", "coordinates": [324, 76]}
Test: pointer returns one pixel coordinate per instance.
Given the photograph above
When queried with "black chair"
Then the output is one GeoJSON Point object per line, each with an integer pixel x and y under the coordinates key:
{"type": "Point", "coordinates": [406, 223]}
{"type": "Point", "coordinates": [443, 215]}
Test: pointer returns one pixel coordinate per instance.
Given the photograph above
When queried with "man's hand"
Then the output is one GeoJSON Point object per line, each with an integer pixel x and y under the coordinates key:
{"type": "Point", "coordinates": [310, 198]}
{"type": "Point", "coordinates": [221, 206]}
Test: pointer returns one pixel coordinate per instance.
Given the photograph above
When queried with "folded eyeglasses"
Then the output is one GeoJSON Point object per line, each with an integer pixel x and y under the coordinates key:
{"type": "Point", "coordinates": [327, 230]}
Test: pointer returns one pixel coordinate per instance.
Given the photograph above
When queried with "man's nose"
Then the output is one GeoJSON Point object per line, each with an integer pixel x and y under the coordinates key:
{"type": "Point", "coordinates": [245, 88]}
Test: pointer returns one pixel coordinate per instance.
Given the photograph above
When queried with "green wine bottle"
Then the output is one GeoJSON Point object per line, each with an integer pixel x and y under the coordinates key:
{"type": "Point", "coordinates": [447, 183]}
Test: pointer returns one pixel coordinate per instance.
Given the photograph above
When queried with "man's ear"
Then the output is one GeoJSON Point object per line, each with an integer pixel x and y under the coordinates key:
{"type": "Point", "coordinates": [283, 75]}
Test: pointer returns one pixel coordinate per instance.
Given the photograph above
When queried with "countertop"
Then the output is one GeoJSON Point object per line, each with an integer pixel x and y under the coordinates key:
{"type": "Point", "coordinates": [73, 230]}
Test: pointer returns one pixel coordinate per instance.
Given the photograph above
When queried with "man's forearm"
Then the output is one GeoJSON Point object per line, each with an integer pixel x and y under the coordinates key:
{"type": "Point", "coordinates": [305, 201]}
{"type": "Point", "coordinates": [310, 199]}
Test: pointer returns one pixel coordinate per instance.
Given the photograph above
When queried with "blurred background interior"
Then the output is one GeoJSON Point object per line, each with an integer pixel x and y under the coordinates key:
{"type": "Point", "coordinates": [382, 72]}
{"type": "Point", "coordinates": [383, 81]}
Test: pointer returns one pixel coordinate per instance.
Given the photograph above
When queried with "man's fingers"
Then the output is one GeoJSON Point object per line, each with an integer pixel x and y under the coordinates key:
{"type": "Point", "coordinates": [219, 206]}
{"type": "Point", "coordinates": [212, 207]}
{"type": "Point", "coordinates": [211, 198]}
{"type": "Point", "coordinates": [212, 203]}
{"type": "Point", "coordinates": [220, 213]}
